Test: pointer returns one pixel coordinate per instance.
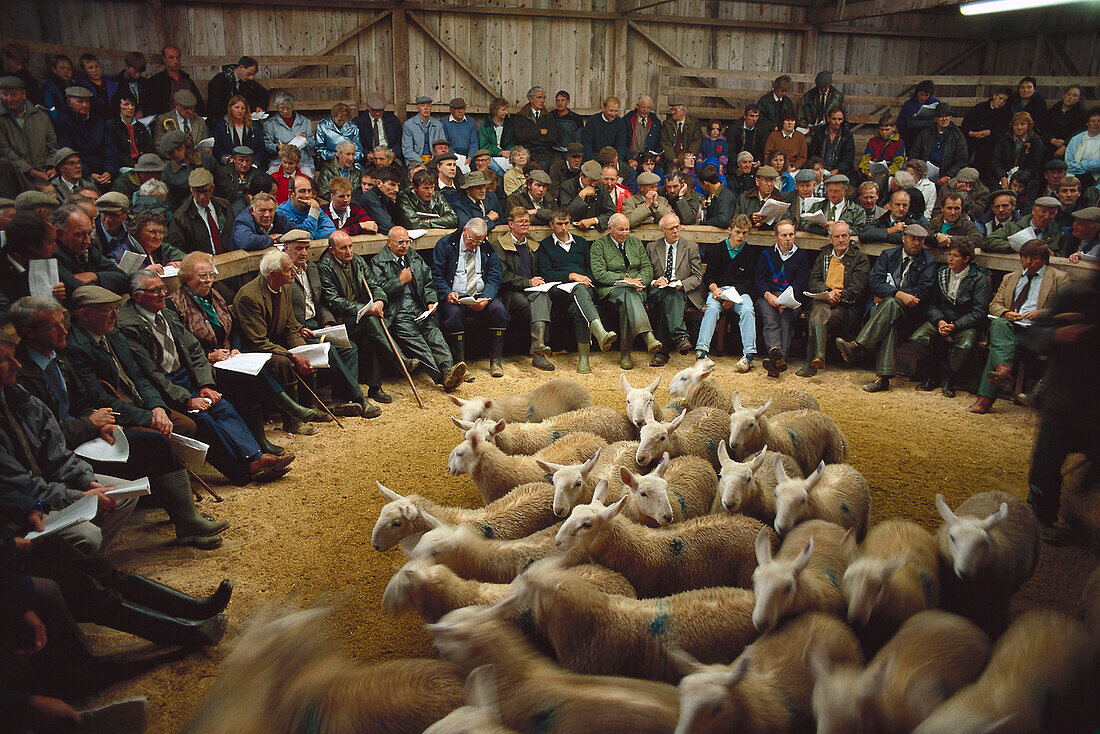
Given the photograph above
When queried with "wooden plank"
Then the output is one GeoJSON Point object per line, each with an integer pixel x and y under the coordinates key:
{"type": "Point", "coordinates": [400, 39]}
{"type": "Point", "coordinates": [872, 8]}
{"type": "Point", "coordinates": [463, 64]}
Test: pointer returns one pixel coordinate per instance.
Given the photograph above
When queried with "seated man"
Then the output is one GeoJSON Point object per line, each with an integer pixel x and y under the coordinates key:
{"type": "Point", "coordinates": [730, 264]}
{"type": "Point", "coordinates": [889, 226]}
{"type": "Point", "coordinates": [423, 205]}
{"type": "Point", "coordinates": [259, 226]}
{"type": "Point", "coordinates": [465, 268]}
{"type": "Point", "coordinates": [478, 202]}
{"type": "Point", "coordinates": [78, 263]}
{"type": "Point", "coordinates": [406, 279]}
{"type": "Point", "coordinates": [518, 255]}
{"type": "Point", "coordinates": [534, 199]}
{"type": "Point", "coordinates": [684, 200]}
{"type": "Point", "coordinates": [69, 178]}
{"type": "Point", "coordinates": [837, 208]}
{"type": "Point", "coordinates": [564, 257]}
{"type": "Point", "coordinates": [956, 314]}
{"type": "Point", "coordinates": [380, 200]}
{"type": "Point", "coordinates": [174, 362]}
{"type": "Point", "coordinates": [303, 212]}
{"type": "Point", "coordinates": [203, 222]}
{"type": "Point", "coordinates": [1001, 212]}
{"type": "Point", "coordinates": [901, 281]}
{"type": "Point", "coordinates": [589, 204]}
{"type": "Point", "coordinates": [1086, 234]}
{"type": "Point", "coordinates": [751, 202]}
{"type": "Point", "coordinates": [1039, 224]}
{"type": "Point", "coordinates": [720, 205]}
{"type": "Point", "coordinates": [679, 281]}
{"type": "Point", "coordinates": [778, 268]}
{"type": "Point", "coordinates": [842, 272]}
{"type": "Point", "coordinates": [621, 270]}
{"type": "Point", "coordinates": [345, 214]}
{"type": "Point", "coordinates": [952, 226]}
{"type": "Point", "coordinates": [646, 206]}
{"type": "Point", "coordinates": [27, 238]}
{"type": "Point", "coordinates": [1024, 296]}
{"type": "Point", "coordinates": [342, 166]}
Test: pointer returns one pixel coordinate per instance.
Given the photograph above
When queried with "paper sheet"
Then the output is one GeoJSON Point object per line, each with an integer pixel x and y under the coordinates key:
{"type": "Point", "coordinates": [83, 510]}
{"type": "Point", "coordinates": [1021, 238]}
{"type": "Point", "coordinates": [786, 298]}
{"type": "Point", "coordinates": [42, 277]}
{"type": "Point", "coordinates": [878, 168]}
{"type": "Point", "coordinates": [544, 288]}
{"type": "Point", "coordinates": [246, 363]}
{"type": "Point", "coordinates": [336, 335]}
{"type": "Point", "coordinates": [171, 271]}
{"type": "Point", "coordinates": [417, 233]}
{"type": "Point", "coordinates": [125, 490]}
{"type": "Point", "coordinates": [933, 171]}
{"type": "Point", "coordinates": [822, 296]}
{"type": "Point", "coordinates": [190, 452]}
{"type": "Point", "coordinates": [817, 217]}
{"type": "Point", "coordinates": [568, 287]}
{"type": "Point", "coordinates": [130, 262]}
{"type": "Point", "coordinates": [773, 209]}
{"type": "Point", "coordinates": [729, 293]}
{"type": "Point", "coordinates": [99, 450]}
{"type": "Point", "coordinates": [317, 354]}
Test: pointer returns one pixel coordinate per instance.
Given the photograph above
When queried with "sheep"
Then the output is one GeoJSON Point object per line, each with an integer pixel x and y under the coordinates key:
{"type": "Point", "coordinates": [526, 509]}
{"type": "Point", "coordinates": [535, 694]}
{"type": "Point", "coordinates": [495, 473]}
{"type": "Point", "coordinates": [804, 576]}
{"type": "Point", "coordinates": [548, 399]}
{"type": "Point", "coordinates": [1035, 681]}
{"type": "Point", "coordinates": [696, 432]}
{"type": "Point", "coordinates": [689, 480]}
{"type": "Point", "coordinates": [573, 483]}
{"type": "Point", "coordinates": [807, 436]}
{"type": "Point", "coordinates": [598, 633]}
{"type": "Point", "coordinates": [638, 398]}
{"type": "Point", "coordinates": [933, 654]}
{"type": "Point", "coordinates": [988, 549]}
{"type": "Point", "coordinates": [767, 689]}
{"type": "Point", "coordinates": [749, 487]}
{"type": "Point", "coordinates": [481, 714]}
{"type": "Point", "coordinates": [835, 492]}
{"type": "Point", "coordinates": [713, 550]}
{"type": "Point", "coordinates": [529, 438]}
{"type": "Point", "coordinates": [283, 671]}
{"type": "Point", "coordinates": [893, 577]}
{"type": "Point", "coordinates": [695, 391]}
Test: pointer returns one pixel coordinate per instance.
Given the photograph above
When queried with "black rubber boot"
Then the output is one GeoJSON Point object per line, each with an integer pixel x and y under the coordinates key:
{"type": "Point", "coordinates": [152, 595]}
{"type": "Point", "coordinates": [161, 628]}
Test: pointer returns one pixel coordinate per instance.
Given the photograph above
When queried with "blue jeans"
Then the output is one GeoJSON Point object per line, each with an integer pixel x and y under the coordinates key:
{"type": "Point", "coordinates": [746, 322]}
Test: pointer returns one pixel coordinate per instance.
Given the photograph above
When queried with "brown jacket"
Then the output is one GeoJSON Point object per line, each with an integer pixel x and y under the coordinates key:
{"type": "Point", "coordinates": [1053, 282]}
{"type": "Point", "coordinates": [264, 328]}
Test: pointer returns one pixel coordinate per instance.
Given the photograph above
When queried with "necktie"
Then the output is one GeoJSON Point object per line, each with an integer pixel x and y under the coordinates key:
{"type": "Point", "coordinates": [215, 235]}
{"type": "Point", "coordinates": [471, 274]}
{"type": "Point", "coordinates": [1018, 301]}
{"type": "Point", "coordinates": [668, 263]}
{"type": "Point", "coordinates": [171, 360]}
{"type": "Point", "coordinates": [56, 385]}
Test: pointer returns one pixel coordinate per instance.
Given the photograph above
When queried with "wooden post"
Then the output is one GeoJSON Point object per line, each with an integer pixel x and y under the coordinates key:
{"type": "Point", "coordinates": [400, 47]}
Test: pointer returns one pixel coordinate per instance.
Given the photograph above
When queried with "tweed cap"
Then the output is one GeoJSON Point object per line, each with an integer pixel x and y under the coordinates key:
{"type": "Point", "coordinates": [149, 163]}
{"type": "Point", "coordinates": [592, 169]}
{"type": "Point", "coordinates": [185, 98]}
{"type": "Point", "coordinates": [29, 200]}
{"type": "Point", "coordinates": [171, 140]}
{"type": "Point", "coordinates": [544, 178]}
{"type": "Point", "coordinates": [915, 230]}
{"type": "Point", "coordinates": [61, 155]}
{"type": "Point", "coordinates": [200, 177]}
{"type": "Point", "coordinates": [78, 92]}
{"type": "Point", "coordinates": [93, 295]}
{"type": "Point", "coordinates": [12, 82]}
{"type": "Point", "coordinates": [648, 178]}
{"type": "Point", "coordinates": [112, 201]}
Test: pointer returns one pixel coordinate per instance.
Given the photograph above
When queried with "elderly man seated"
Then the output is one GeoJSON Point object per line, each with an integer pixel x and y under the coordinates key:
{"type": "Point", "coordinates": [303, 212]}
{"type": "Point", "coordinates": [837, 208]}
{"type": "Point", "coordinates": [621, 271]}
{"type": "Point", "coordinates": [78, 263]}
{"type": "Point", "coordinates": [518, 255]}
{"type": "Point", "coordinates": [534, 199]}
{"type": "Point", "coordinates": [423, 205]}
{"type": "Point", "coordinates": [175, 364]}
{"type": "Point", "coordinates": [901, 282]}
{"type": "Point", "coordinates": [1039, 225]}
{"type": "Point", "coordinates": [259, 226]}
{"type": "Point", "coordinates": [407, 281]}
{"type": "Point", "coordinates": [679, 281]}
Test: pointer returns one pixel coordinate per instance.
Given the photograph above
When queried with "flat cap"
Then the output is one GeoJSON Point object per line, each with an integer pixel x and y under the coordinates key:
{"type": "Point", "coordinates": [804, 175]}
{"type": "Point", "coordinates": [441, 141]}
{"type": "Point", "coordinates": [376, 101]}
{"type": "Point", "coordinates": [5, 202]}
{"type": "Point", "coordinates": [1048, 201]}
{"type": "Point", "coordinates": [767, 172]}
{"type": "Point", "coordinates": [1055, 164]}
{"type": "Point", "coordinates": [112, 201]}
{"type": "Point", "coordinates": [480, 152]}
{"type": "Point", "coordinates": [544, 178]}
{"type": "Point", "coordinates": [149, 163]}
{"type": "Point", "coordinates": [243, 150]}
{"type": "Point", "coordinates": [200, 177]}
{"type": "Point", "coordinates": [12, 82]}
{"type": "Point", "coordinates": [943, 109]}
{"type": "Point", "coordinates": [93, 295]}
{"type": "Point", "coordinates": [915, 230]}
{"type": "Point", "coordinates": [78, 92]}
{"type": "Point", "coordinates": [458, 103]}
{"type": "Point", "coordinates": [444, 157]}
{"type": "Point", "coordinates": [423, 99]}
{"type": "Point", "coordinates": [574, 149]}
{"type": "Point", "coordinates": [823, 79]}
{"type": "Point", "coordinates": [295, 235]}
{"type": "Point", "coordinates": [648, 178]}
{"type": "Point", "coordinates": [171, 140]}
{"type": "Point", "coordinates": [29, 200]}
{"type": "Point", "coordinates": [1088, 214]}
{"type": "Point", "coordinates": [968, 175]}
{"type": "Point", "coordinates": [184, 98]}
{"type": "Point", "coordinates": [61, 155]}
{"type": "Point", "coordinates": [591, 169]}
{"type": "Point", "coordinates": [474, 178]}
{"type": "Point", "coordinates": [839, 178]}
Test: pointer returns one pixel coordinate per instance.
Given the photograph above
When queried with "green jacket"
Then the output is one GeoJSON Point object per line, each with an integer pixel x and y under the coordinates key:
{"type": "Point", "coordinates": [148, 353]}
{"type": "Point", "coordinates": [409, 204]}
{"type": "Point", "coordinates": [608, 266]}
{"type": "Point", "coordinates": [510, 262]}
{"type": "Point", "coordinates": [1051, 236]}
{"type": "Point", "coordinates": [345, 299]}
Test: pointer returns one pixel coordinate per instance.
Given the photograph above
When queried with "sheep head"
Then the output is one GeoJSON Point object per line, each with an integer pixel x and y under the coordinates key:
{"type": "Point", "coordinates": [775, 582]}
{"type": "Point", "coordinates": [792, 496]}
{"type": "Point", "coordinates": [969, 539]}
{"type": "Point", "coordinates": [653, 438]}
{"type": "Point", "coordinates": [709, 695]}
{"type": "Point", "coordinates": [745, 428]}
{"type": "Point", "coordinates": [649, 493]}
{"type": "Point", "coordinates": [637, 399]}
{"type": "Point", "coordinates": [568, 481]}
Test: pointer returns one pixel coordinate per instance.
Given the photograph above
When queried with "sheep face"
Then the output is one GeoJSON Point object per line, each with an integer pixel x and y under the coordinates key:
{"type": "Point", "coordinates": [970, 544]}
{"type": "Point", "coordinates": [709, 700]}
{"type": "Point", "coordinates": [775, 582]}
{"type": "Point", "coordinates": [683, 382]}
{"type": "Point", "coordinates": [841, 702]}
{"type": "Point", "coordinates": [864, 584]}
{"type": "Point", "coordinates": [650, 493]}
{"type": "Point", "coordinates": [638, 399]}
{"type": "Point", "coordinates": [472, 409]}
{"type": "Point", "coordinates": [792, 496]}
{"type": "Point", "coordinates": [735, 478]}
{"type": "Point", "coordinates": [653, 438]}
{"type": "Point", "coordinates": [745, 427]}
{"type": "Point", "coordinates": [394, 520]}
{"type": "Point", "coordinates": [568, 481]}
{"type": "Point", "coordinates": [586, 522]}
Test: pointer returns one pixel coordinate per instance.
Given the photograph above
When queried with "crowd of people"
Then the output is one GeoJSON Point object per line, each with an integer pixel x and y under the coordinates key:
{"type": "Point", "coordinates": [111, 185]}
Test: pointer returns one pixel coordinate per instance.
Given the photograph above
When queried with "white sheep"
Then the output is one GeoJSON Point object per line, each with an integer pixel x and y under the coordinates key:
{"type": "Point", "coordinates": [767, 690]}
{"type": "Point", "coordinates": [529, 438]}
{"type": "Point", "coordinates": [749, 487]}
{"type": "Point", "coordinates": [807, 436]}
{"type": "Point", "coordinates": [535, 694]}
{"type": "Point", "coordinates": [933, 655]}
{"type": "Point", "coordinates": [892, 577]}
{"type": "Point", "coordinates": [803, 576]}
{"type": "Point", "coordinates": [694, 390]}
{"type": "Point", "coordinates": [1036, 680]}
{"type": "Point", "coordinates": [495, 473]}
{"type": "Point", "coordinates": [989, 548]}
{"type": "Point", "coordinates": [676, 490]}
{"type": "Point", "coordinates": [526, 509]}
{"type": "Point", "coordinates": [713, 550]}
{"type": "Point", "coordinates": [834, 492]}
{"type": "Point", "coordinates": [639, 398]}
{"type": "Point", "coordinates": [598, 633]}
{"type": "Point", "coordinates": [696, 432]}
{"type": "Point", "coordinates": [573, 483]}
{"type": "Point", "coordinates": [481, 714]}
{"type": "Point", "coordinates": [548, 399]}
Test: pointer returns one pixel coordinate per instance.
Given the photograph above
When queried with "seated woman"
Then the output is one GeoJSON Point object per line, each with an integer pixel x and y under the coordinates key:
{"type": "Point", "coordinates": [149, 227]}
{"type": "Point", "coordinates": [131, 137]}
{"type": "Point", "coordinates": [286, 126]}
{"type": "Point", "coordinates": [334, 129]}
{"type": "Point", "coordinates": [236, 129]}
{"type": "Point", "coordinates": [206, 315]}
{"type": "Point", "coordinates": [956, 313]}
{"type": "Point", "coordinates": [289, 166]}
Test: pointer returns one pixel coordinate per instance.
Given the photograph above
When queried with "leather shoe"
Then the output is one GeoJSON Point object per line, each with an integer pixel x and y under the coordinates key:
{"type": "Point", "coordinates": [929, 385]}
{"type": "Point", "coordinates": [1001, 377]}
{"type": "Point", "coordinates": [981, 406]}
{"type": "Point", "coordinates": [269, 467]}
{"type": "Point", "coordinates": [683, 346]}
{"type": "Point", "coordinates": [849, 350]}
{"type": "Point", "coordinates": [879, 384]}
{"type": "Point", "coordinates": [379, 395]}
{"type": "Point", "coordinates": [659, 360]}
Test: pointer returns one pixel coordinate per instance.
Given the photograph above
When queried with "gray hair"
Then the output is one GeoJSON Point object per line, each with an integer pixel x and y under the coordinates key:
{"type": "Point", "coordinates": [153, 187]}
{"type": "Point", "coordinates": [534, 90]}
{"type": "Point", "coordinates": [139, 278]}
{"type": "Point", "coordinates": [59, 217]}
{"type": "Point", "coordinates": [284, 98]}
{"type": "Point", "coordinates": [273, 261]}
{"type": "Point", "coordinates": [477, 226]}
{"type": "Point", "coordinates": [905, 180]}
{"type": "Point", "coordinates": [343, 144]}
{"type": "Point", "coordinates": [25, 312]}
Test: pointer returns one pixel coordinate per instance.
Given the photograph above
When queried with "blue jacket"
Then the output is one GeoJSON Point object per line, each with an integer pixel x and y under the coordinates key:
{"type": "Point", "coordinates": [327, 135]}
{"type": "Point", "coordinates": [466, 209]}
{"type": "Point", "coordinates": [445, 261]}
{"type": "Point", "coordinates": [91, 138]}
{"type": "Point", "coordinates": [414, 134]}
{"type": "Point", "coordinates": [919, 281]}
{"type": "Point", "coordinates": [774, 275]}
{"type": "Point", "coordinates": [598, 134]}
{"type": "Point", "coordinates": [247, 235]}
{"type": "Point", "coordinates": [318, 227]}
{"type": "Point", "coordinates": [461, 135]}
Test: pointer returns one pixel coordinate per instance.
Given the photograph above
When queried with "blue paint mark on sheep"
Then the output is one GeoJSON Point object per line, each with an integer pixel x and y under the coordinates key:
{"type": "Point", "coordinates": [676, 547]}
{"type": "Point", "coordinates": [543, 719]}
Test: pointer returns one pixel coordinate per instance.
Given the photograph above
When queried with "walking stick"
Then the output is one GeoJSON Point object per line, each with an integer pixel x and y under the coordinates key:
{"type": "Point", "coordinates": [319, 401]}
{"type": "Point", "coordinates": [393, 346]}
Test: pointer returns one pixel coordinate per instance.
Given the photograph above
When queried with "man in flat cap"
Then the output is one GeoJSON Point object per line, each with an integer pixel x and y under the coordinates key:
{"type": "Point", "coordinates": [1085, 235]}
{"type": "Point", "coordinates": [1038, 225]}
{"type": "Point", "coordinates": [589, 204]}
{"type": "Point", "coordinates": [646, 206]}
{"type": "Point", "coordinates": [901, 284]}
{"type": "Point", "coordinates": [27, 137]}
{"type": "Point", "coordinates": [69, 178]}
{"type": "Point", "coordinates": [110, 226]}
{"type": "Point", "coordinates": [184, 117]}
{"type": "Point", "coordinates": [78, 263]}
{"type": "Point", "coordinates": [943, 145]}
{"type": "Point", "coordinates": [567, 169]}
{"type": "Point", "coordinates": [177, 167]}
{"type": "Point", "coordinates": [78, 128]}
{"type": "Point", "coordinates": [536, 128]}
{"type": "Point", "coordinates": [377, 126]}
{"type": "Point", "coordinates": [836, 208]}
{"type": "Point", "coordinates": [148, 166]}
{"type": "Point", "coordinates": [202, 223]}
{"type": "Point", "coordinates": [418, 133]}
{"type": "Point", "coordinates": [534, 198]}
{"type": "Point", "coordinates": [478, 201]}
{"type": "Point", "coordinates": [460, 130]}
{"type": "Point", "coordinates": [677, 282]}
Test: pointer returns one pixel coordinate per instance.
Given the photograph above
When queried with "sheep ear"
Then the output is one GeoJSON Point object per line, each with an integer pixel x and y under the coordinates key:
{"type": "Point", "coordinates": [735, 401]}
{"type": "Point", "coordinates": [433, 522]}
{"type": "Point", "coordinates": [803, 559]}
{"type": "Point", "coordinates": [684, 661]}
{"type": "Point", "coordinates": [590, 462]}
{"type": "Point", "coordinates": [628, 477]}
{"type": "Point", "coordinates": [599, 494]}
{"type": "Point", "coordinates": [762, 409]}
{"type": "Point", "coordinates": [945, 512]}
{"type": "Point", "coordinates": [497, 427]}
{"type": "Point", "coordinates": [763, 546]}
{"type": "Point", "coordinates": [815, 476]}
{"type": "Point", "coordinates": [780, 471]}
{"type": "Point", "coordinates": [849, 547]}
{"type": "Point", "coordinates": [675, 423]}
{"type": "Point", "coordinates": [758, 460]}
{"type": "Point", "coordinates": [738, 670]}
{"type": "Point", "coordinates": [723, 453]}
{"type": "Point", "coordinates": [388, 493]}
{"type": "Point", "coordinates": [548, 466]}
{"type": "Point", "coordinates": [481, 690]}
{"type": "Point", "coordinates": [609, 512]}
{"type": "Point", "coordinates": [997, 517]}
{"type": "Point", "coordinates": [623, 383]}
{"type": "Point", "coordinates": [457, 401]}
{"type": "Point", "coordinates": [652, 388]}
{"type": "Point", "coordinates": [662, 467]}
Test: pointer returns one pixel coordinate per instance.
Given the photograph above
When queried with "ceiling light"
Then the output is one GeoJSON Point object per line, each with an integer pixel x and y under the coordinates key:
{"type": "Point", "coordinates": [982, 7]}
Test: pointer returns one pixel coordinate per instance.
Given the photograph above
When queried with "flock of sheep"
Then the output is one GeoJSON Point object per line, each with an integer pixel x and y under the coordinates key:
{"type": "Point", "coordinates": [706, 566]}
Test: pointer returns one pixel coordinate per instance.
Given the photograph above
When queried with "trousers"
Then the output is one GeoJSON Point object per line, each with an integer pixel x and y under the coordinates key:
{"type": "Point", "coordinates": [746, 323]}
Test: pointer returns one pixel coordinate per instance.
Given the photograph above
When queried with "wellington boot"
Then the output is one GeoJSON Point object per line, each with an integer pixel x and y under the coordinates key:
{"type": "Point", "coordinates": [174, 491]}
{"type": "Point", "coordinates": [604, 338]}
{"type": "Point", "coordinates": [583, 350]}
{"type": "Point", "coordinates": [161, 628]}
{"type": "Point", "coordinates": [152, 595]}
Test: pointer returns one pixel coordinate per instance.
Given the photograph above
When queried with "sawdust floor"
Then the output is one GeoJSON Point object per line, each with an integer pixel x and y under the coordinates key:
{"type": "Point", "coordinates": [307, 536]}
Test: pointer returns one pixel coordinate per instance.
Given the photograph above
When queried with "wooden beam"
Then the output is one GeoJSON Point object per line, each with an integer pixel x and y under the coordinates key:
{"type": "Point", "coordinates": [343, 39]}
{"type": "Point", "coordinates": [462, 63]}
{"type": "Point", "coordinates": [872, 8]}
{"type": "Point", "coordinates": [399, 45]}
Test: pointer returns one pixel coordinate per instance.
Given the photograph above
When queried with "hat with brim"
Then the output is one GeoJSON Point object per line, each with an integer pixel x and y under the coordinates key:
{"type": "Point", "coordinates": [544, 178]}
{"type": "Point", "coordinates": [474, 178]}
{"type": "Point", "coordinates": [112, 201]}
{"type": "Point", "coordinates": [171, 140]}
{"type": "Point", "coordinates": [837, 178]}
{"type": "Point", "coordinates": [376, 101]}
{"type": "Point", "coordinates": [767, 172]}
{"type": "Point", "coordinates": [915, 230]}
{"type": "Point", "coordinates": [592, 169]}
{"type": "Point", "coordinates": [200, 177]}
{"type": "Point", "coordinates": [1048, 201]}
{"type": "Point", "coordinates": [78, 92]}
{"type": "Point", "coordinates": [296, 235]}
{"type": "Point", "coordinates": [62, 155]}
{"type": "Point", "coordinates": [93, 295]}
{"type": "Point", "coordinates": [30, 200]}
{"type": "Point", "coordinates": [149, 163]}
{"type": "Point", "coordinates": [648, 178]}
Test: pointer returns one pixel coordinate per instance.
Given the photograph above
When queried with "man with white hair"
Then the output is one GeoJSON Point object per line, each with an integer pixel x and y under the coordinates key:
{"type": "Point", "coordinates": [621, 272]}
{"type": "Point", "coordinates": [536, 128]}
{"type": "Point", "coordinates": [679, 280]}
